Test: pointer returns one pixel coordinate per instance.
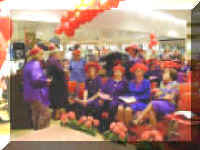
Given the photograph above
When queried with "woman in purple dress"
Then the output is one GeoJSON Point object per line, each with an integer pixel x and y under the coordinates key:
{"type": "Point", "coordinates": [165, 99]}
{"type": "Point", "coordinates": [36, 90]}
{"type": "Point", "coordinates": [91, 102]}
{"type": "Point", "coordinates": [58, 87]}
{"type": "Point", "coordinates": [115, 87]}
{"type": "Point", "coordinates": [139, 88]}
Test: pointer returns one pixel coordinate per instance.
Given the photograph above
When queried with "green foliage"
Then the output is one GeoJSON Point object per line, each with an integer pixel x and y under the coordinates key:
{"type": "Point", "coordinates": [74, 125]}
{"type": "Point", "coordinates": [108, 135]}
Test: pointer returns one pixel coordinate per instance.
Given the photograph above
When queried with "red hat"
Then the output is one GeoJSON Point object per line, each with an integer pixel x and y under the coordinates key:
{"type": "Point", "coordinates": [131, 48]}
{"type": "Point", "coordinates": [52, 46]}
{"type": "Point", "coordinates": [138, 66]}
{"type": "Point", "coordinates": [92, 64]}
{"type": "Point", "coordinates": [76, 52]}
{"type": "Point", "coordinates": [35, 51]}
{"type": "Point", "coordinates": [171, 64]}
{"type": "Point", "coordinates": [120, 68]}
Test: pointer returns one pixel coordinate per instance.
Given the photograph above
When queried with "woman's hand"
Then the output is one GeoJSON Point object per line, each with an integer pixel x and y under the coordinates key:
{"type": "Point", "coordinates": [101, 102]}
{"type": "Point", "coordinates": [49, 80]}
{"type": "Point", "coordinates": [71, 101]}
{"type": "Point", "coordinates": [84, 103]}
{"type": "Point", "coordinates": [105, 96]}
{"type": "Point", "coordinates": [168, 97]}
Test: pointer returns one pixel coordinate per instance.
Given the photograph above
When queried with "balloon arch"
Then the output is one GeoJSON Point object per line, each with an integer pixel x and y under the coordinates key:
{"type": "Point", "coordinates": [83, 13]}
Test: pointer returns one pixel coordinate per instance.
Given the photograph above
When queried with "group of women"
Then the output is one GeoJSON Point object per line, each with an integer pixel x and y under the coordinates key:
{"type": "Point", "coordinates": [101, 96]}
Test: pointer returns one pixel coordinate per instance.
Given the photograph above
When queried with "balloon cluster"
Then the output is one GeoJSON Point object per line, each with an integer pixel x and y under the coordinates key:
{"type": "Point", "coordinates": [153, 42]}
{"type": "Point", "coordinates": [5, 35]}
{"type": "Point", "coordinates": [72, 19]}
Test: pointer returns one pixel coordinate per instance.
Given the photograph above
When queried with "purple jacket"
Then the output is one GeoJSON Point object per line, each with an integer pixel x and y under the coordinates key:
{"type": "Point", "coordinates": [35, 85]}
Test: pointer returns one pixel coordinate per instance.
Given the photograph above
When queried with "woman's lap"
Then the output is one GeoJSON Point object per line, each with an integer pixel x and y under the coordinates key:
{"type": "Point", "coordinates": [138, 106]}
{"type": "Point", "coordinates": [163, 107]}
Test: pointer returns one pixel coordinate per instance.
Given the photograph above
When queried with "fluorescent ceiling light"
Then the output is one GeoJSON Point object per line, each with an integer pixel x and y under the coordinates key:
{"type": "Point", "coordinates": [172, 34]}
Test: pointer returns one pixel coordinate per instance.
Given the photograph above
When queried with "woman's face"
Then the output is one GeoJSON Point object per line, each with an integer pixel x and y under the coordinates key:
{"type": "Point", "coordinates": [40, 56]}
{"type": "Point", "coordinates": [166, 75]}
{"type": "Point", "coordinates": [139, 73]}
{"type": "Point", "coordinates": [117, 73]}
{"type": "Point", "coordinates": [77, 57]}
{"type": "Point", "coordinates": [92, 72]}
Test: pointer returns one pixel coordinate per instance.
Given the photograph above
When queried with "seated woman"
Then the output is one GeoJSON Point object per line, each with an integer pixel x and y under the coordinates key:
{"type": "Point", "coordinates": [165, 98]}
{"type": "Point", "coordinates": [154, 74]}
{"type": "Point", "coordinates": [140, 89]}
{"type": "Point", "coordinates": [92, 87]}
{"type": "Point", "coordinates": [114, 87]}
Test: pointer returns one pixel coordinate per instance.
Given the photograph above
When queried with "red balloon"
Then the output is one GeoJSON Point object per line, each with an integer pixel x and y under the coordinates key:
{"type": "Point", "coordinates": [64, 19]}
{"type": "Point", "coordinates": [58, 31]}
{"type": "Point", "coordinates": [150, 46]}
{"type": "Point", "coordinates": [2, 57]}
{"type": "Point", "coordinates": [3, 46]}
{"type": "Point", "coordinates": [6, 27]}
{"type": "Point", "coordinates": [115, 3]}
{"type": "Point", "coordinates": [154, 42]}
{"type": "Point", "coordinates": [152, 36]}
{"type": "Point", "coordinates": [70, 32]}
{"type": "Point", "coordinates": [65, 26]}
{"type": "Point", "coordinates": [73, 23]}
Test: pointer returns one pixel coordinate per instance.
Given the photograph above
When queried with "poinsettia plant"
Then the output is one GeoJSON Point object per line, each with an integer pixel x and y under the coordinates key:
{"type": "Point", "coordinates": [86, 124]}
{"type": "Point", "coordinates": [118, 132]}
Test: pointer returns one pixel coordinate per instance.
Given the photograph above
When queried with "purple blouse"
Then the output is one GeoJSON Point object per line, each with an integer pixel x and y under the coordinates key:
{"type": "Point", "coordinates": [140, 91]}
{"type": "Point", "coordinates": [35, 85]}
{"type": "Point", "coordinates": [93, 86]}
{"type": "Point", "coordinates": [115, 89]}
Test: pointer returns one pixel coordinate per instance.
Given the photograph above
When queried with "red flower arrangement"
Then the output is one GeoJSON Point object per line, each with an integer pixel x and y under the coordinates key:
{"type": "Point", "coordinates": [182, 125]}
{"type": "Point", "coordinates": [118, 132]}
{"type": "Point", "coordinates": [105, 115]}
{"type": "Point", "coordinates": [65, 117]}
{"type": "Point", "coordinates": [151, 135]}
{"type": "Point", "coordinates": [85, 124]}
{"type": "Point", "coordinates": [88, 121]}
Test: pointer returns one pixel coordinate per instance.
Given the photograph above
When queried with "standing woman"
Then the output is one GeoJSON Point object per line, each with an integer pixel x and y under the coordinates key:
{"type": "Point", "coordinates": [36, 89]}
{"type": "Point", "coordinates": [114, 87]}
{"type": "Point", "coordinates": [140, 89]}
{"type": "Point", "coordinates": [58, 87]}
{"type": "Point", "coordinates": [77, 67]}
{"type": "Point", "coordinates": [132, 51]}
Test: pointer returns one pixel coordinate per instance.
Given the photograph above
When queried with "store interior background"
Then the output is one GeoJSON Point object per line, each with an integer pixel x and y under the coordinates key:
{"type": "Point", "coordinates": [113, 29]}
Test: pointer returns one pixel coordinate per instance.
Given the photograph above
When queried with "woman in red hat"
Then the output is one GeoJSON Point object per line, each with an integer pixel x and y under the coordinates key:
{"type": "Point", "coordinates": [36, 91]}
{"type": "Point", "coordinates": [112, 90]}
{"type": "Point", "coordinates": [77, 67]}
{"type": "Point", "coordinates": [58, 89]}
{"type": "Point", "coordinates": [139, 88]}
{"type": "Point", "coordinates": [92, 87]}
{"type": "Point", "coordinates": [134, 57]}
{"type": "Point", "coordinates": [164, 101]}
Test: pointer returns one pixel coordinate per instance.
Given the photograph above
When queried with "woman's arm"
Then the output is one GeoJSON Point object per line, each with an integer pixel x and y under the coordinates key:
{"type": "Point", "coordinates": [85, 95]}
{"type": "Point", "coordinates": [37, 76]}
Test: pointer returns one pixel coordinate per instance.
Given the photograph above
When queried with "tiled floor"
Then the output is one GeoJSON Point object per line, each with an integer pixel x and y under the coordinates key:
{"type": "Point", "coordinates": [57, 133]}
{"type": "Point", "coordinates": [53, 133]}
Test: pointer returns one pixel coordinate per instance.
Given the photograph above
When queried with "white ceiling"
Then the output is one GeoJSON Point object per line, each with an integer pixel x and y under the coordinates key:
{"type": "Point", "coordinates": [116, 25]}
{"type": "Point", "coordinates": [127, 4]}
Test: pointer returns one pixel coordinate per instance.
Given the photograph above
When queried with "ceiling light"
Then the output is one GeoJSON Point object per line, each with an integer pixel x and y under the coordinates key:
{"type": "Point", "coordinates": [172, 34]}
